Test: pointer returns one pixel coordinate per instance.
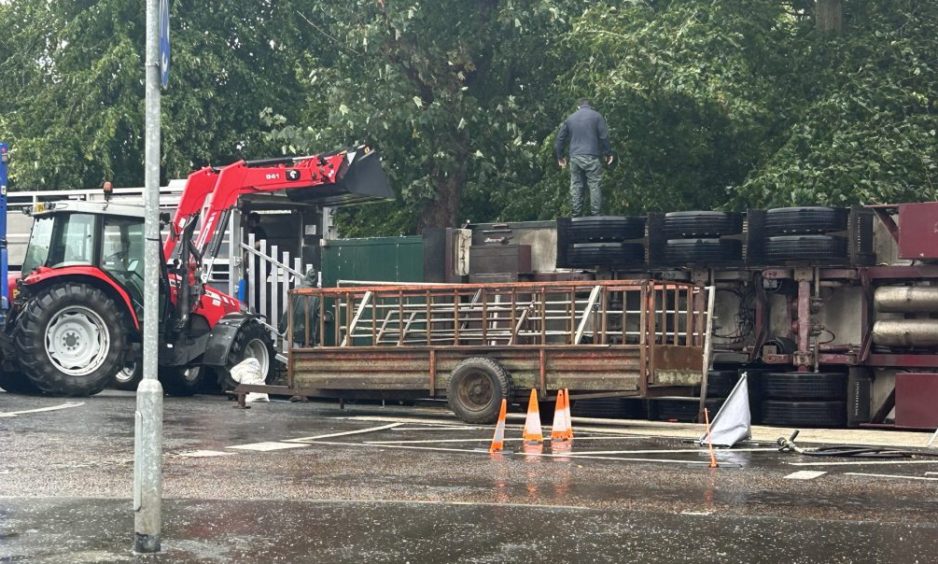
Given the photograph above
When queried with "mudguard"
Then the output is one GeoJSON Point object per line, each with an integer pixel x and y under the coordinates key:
{"type": "Point", "coordinates": [222, 336]}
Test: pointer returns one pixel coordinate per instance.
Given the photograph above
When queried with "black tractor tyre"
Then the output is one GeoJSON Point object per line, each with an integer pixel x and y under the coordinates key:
{"type": "Point", "coordinates": [721, 382]}
{"type": "Point", "coordinates": [804, 385]}
{"type": "Point", "coordinates": [476, 389]}
{"type": "Point", "coordinates": [702, 251]}
{"type": "Point", "coordinates": [181, 381]}
{"type": "Point", "coordinates": [71, 311]}
{"type": "Point", "coordinates": [252, 340]}
{"type": "Point", "coordinates": [804, 413]}
{"type": "Point", "coordinates": [693, 224]}
{"type": "Point", "coordinates": [805, 220]}
{"type": "Point", "coordinates": [605, 228]}
{"type": "Point", "coordinates": [128, 377]}
{"type": "Point", "coordinates": [16, 382]}
{"type": "Point", "coordinates": [589, 255]}
{"type": "Point", "coordinates": [787, 248]}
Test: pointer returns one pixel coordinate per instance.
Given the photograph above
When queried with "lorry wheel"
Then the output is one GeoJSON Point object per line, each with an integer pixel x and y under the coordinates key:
{"type": "Point", "coordinates": [181, 381]}
{"type": "Point", "coordinates": [129, 376]}
{"type": "Point", "coordinates": [805, 248]}
{"type": "Point", "coordinates": [702, 251]}
{"type": "Point", "coordinates": [476, 389]}
{"type": "Point", "coordinates": [16, 382]}
{"type": "Point", "coordinates": [721, 382]}
{"type": "Point", "coordinates": [804, 413]}
{"type": "Point", "coordinates": [71, 338]}
{"type": "Point", "coordinates": [802, 220]}
{"type": "Point", "coordinates": [805, 385]}
{"type": "Point", "coordinates": [252, 341]}
{"type": "Point", "coordinates": [589, 255]}
{"type": "Point", "coordinates": [692, 224]}
{"type": "Point", "coordinates": [605, 228]}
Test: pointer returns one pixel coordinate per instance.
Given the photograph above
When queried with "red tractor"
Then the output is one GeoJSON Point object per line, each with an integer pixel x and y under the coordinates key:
{"type": "Point", "coordinates": [77, 310]}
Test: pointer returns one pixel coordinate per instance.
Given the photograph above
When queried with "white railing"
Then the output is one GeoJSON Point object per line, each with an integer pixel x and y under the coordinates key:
{"type": "Point", "coordinates": [270, 274]}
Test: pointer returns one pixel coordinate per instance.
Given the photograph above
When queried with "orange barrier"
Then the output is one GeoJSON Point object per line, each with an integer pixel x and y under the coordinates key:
{"type": "Point", "coordinates": [532, 424]}
{"type": "Point", "coordinates": [498, 441]}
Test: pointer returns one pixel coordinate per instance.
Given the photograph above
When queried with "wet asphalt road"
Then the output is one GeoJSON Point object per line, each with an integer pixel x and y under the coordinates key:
{"type": "Point", "coordinates": [66, 477]}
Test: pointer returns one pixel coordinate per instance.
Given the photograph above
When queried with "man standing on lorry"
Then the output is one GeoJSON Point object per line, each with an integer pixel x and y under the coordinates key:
{"type": "Point", "coordinates": [588, 136]}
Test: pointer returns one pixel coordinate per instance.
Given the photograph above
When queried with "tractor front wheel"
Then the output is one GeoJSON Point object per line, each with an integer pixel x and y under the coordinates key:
{"type": "Point", "coordinates": [71, 338]}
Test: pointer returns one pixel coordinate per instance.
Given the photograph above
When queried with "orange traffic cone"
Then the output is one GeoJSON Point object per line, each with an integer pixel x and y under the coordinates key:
{"type": "Point", "coordinates": [498, 441]}
{"type": "Point", "coordinates": [532, 424]}
{"type": "Point", "coordinates": [566, 411]}
{"type": "Point", "coordinates": [560, 430]}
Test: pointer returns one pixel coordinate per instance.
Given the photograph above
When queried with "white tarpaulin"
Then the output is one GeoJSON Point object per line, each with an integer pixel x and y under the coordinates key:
{"type": "Point", "coordinates": [248, 371]}
{"type": "Point", "coordinates": [733, 422]}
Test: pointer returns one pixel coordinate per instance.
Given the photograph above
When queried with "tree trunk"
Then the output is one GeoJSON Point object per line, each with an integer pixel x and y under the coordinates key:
{"type": "Point", "coordinates": [444, 210]}
{"type": "Point", "coordinates": [829, 16]}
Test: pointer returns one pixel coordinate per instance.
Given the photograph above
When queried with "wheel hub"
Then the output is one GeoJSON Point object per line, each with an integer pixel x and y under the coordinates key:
{"type": "Point", "coordinates": [77, 341]}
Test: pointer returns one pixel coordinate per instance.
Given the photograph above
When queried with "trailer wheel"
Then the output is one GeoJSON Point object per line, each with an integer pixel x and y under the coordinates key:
{"type": "Point", "coordinates": [690, 224]}
{"type": "Point", "coordinates": [702, 251]}
{"type": "Point", "coordinates": [128, 377]}
{"type": "Point", "coordinates": [606, 228]}
{"type": "Point", "coordinates": [16, 382]}
{"type": "Point", "coordinates": [805, 248]}
{"type": "Point", "coordinates": [476, 389]}
{"type": "Point", "coordinates": [802, 220]}
{"type": "Point", "coordinates": [805, 385]}
{"type": "Point", "coordinates": [71, 338]}
{"type": "Point", "coordinates": [721, 382]}
{"type": "Point", "coordinates": [589, 255]}
{"type": "Point", "coordinates": [252, 341]}
{"type": "Point", "coordinates": [181, 381]}
{"type": "Point", "coordinates": [804, 413]}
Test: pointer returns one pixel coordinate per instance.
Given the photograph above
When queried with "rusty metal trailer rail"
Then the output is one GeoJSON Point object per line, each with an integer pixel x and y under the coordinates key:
{"type": "Point", "coordinates": [636, 337]}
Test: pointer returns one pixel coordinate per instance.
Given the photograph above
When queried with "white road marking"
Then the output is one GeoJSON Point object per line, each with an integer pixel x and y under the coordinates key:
{"type": "Point", "coordinates": [863, 462]}
{"type": "Point", "coordinates": [546, 439]}
{"type": "Point", "coordinates": [931, 473]}
{"type": "Point", "coordinates": [440, 428]}
{"type": "Point", "coordinates": [205, 453]}
{"type": "Point", "coordinates": [267, 446]}
{"type": "Point", "coordinates": [672, 451]}
{"type": "Point", "coordinates": [805, 475]}
{"type": "Point", "coordinates": [572, 455]}
{"type": "Point", "coordinates": [891, 476]}
{"type": "Point", "coordinates": [42, 409]}
{"type": "Point", "coordinates": [343, 433]}
{"type": "Point", "coordinates": [697, 513]}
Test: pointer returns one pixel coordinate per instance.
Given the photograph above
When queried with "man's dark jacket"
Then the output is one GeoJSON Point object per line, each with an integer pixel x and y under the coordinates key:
{"type": "Point", "coordinates": [587, 132]}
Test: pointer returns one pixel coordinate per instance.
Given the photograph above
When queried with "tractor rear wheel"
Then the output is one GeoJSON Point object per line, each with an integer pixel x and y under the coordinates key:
{"type": "Point", "coordinates": [16, 382]}
{"type": "Point", "coordinates": [71, 338]}
{"type": "Point", "coordinates": [252, 341]}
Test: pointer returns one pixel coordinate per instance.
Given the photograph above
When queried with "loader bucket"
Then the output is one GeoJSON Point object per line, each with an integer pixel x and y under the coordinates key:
{"type": "Point", "coordinates": [360, 179]}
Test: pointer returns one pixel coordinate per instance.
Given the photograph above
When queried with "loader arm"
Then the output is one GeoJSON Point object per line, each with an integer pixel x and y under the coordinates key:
{"type": "Point", "coordinates": [212, 193]}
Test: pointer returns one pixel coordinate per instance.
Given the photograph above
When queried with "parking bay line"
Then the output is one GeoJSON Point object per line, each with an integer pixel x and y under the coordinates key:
{"type": "Point", "coordinates": [486, 439]}
{"type": "Point", "coordinates": [891, 476]}
{"type": "Point", "coordinates": [342, 434]}
{"type": "Point", "coordinates": [863, 463]}
{"type": "Point", "coordinates": [42, 409]}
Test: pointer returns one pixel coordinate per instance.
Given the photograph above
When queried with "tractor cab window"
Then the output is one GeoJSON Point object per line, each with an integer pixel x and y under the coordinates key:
{"type": "Point", "coordinates": [62, 239]}
{"type": "Point", "coordinates": [39, 241]}
{"type": "Point", "coordinates": [122, 252]}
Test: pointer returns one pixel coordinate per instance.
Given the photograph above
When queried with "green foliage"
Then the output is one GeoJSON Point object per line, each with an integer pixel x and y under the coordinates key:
{"type": "Point", "coordinates": [73, 86]}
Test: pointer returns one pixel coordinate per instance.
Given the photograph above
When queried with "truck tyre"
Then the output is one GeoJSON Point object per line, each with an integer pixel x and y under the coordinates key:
{"type": "Point", "coordinates": [129, 376]}
{"type": "Point", "coordinates": [805, 385]}
{"type": "Point", "coordinates": [804, 413]}
{"type": "Point", "coordinates": [721, 382]}
{"type": "Point", "coordinates": [690, 224]}
{"type": "Point", "coordinates": [702, 251]}
{"type": "Point", "coordinates": [608, 408]}
{"type": "Point", "coordinates": [804, 220]}
{"type": "Point", "coordinates": [683, 410]}
{"type": "Point", "coordinates": [805, 248]}
{"type": "Point", "coordinates": [589, 255]}
{"type": "Point", "coordinates": [252, 341]}
{"type": "Point", "coordinates": [606, 228]}
{"type": "Point", "coordinates": [476, 389]}
{"type": "Point", "coordinates": [181, 381]}
{"type": "Point", "coordinates": [16, 382]}
{"type": "Point", "coordinates": [71, 338]}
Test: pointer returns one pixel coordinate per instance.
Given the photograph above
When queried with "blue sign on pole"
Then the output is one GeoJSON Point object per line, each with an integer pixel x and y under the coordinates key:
{"type": "Point", "coordinates": [164, 43]}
